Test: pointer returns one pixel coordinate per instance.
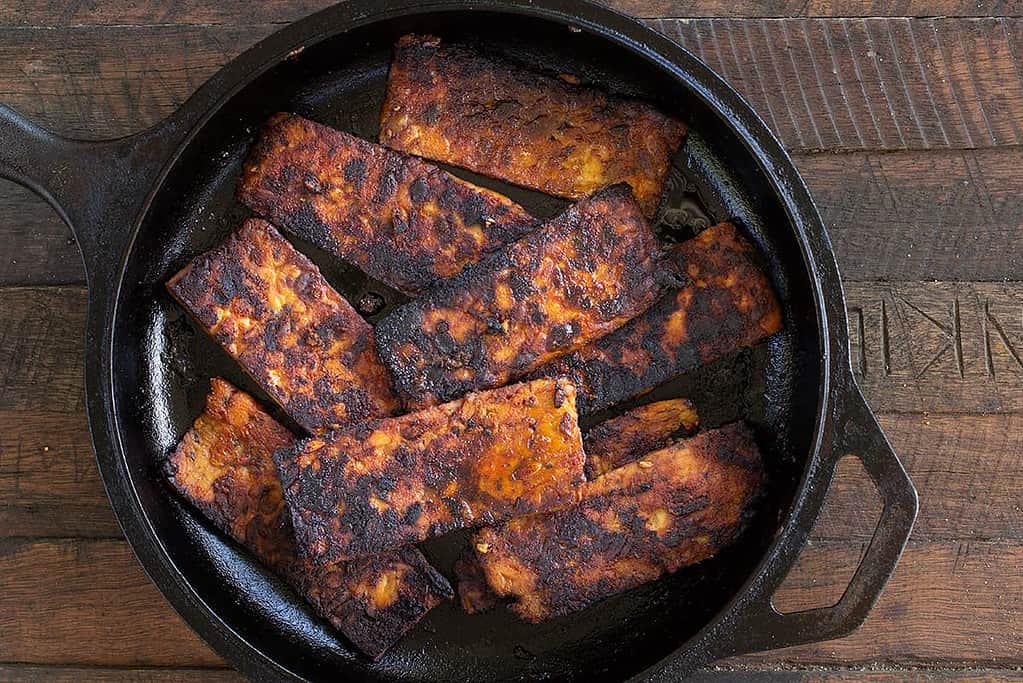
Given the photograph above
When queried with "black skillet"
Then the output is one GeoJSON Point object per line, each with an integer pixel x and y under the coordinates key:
{"type": "Point", "coordinates": [143, 205]}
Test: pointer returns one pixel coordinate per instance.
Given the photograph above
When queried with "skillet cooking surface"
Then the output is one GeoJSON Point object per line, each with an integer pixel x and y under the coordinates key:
{"type": "Point", "coordinates": [162, 363]}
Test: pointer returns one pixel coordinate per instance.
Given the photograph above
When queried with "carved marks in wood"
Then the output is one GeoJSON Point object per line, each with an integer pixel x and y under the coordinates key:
{"type": "Point", "coordinates": [938, 346]}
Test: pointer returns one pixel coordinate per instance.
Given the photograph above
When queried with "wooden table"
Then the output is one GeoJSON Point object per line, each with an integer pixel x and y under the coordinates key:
{"type": "Point", "coordinates": [907, 130]}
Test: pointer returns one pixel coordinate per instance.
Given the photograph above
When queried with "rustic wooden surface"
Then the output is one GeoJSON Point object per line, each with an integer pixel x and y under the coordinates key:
{"type": "Point", "coordinates": [902, 115]}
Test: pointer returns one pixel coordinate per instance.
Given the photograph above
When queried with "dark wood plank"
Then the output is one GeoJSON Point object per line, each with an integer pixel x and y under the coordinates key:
{"type": "Point", "coordinates": [53, 13]}
{"type": "Point", "coordinates": [88, 602]}
{"type": "Point", "coordinates": [94, 82]}
{"type": "Point", "coordinates": [41, 355]}
{"type": "Point", "coordinates": [870, 83]}
{"type": "Point", "coordinates": [946, 604]}
{"type": "Point", "coordinates": [27, 673]}
{"type": "Point", "coordinates": [938, 346]}
{"type": "Point", "coordinates": [940, 215]}
{"type": "Point", "coordinates": [946, 215]}
{"type": "Point", "coordinates": [49, 484]}
{"type": "Point", "coordinates": [36, 247]}
{"type": "Point", "coordinates": [932, 601]}
{"type": "Point", "coordinates": [820, 83]}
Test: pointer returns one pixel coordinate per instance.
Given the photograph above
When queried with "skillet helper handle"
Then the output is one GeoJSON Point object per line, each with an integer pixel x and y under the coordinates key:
{"type": "Point", "coordinates": [97, 188]}
{"type": "Point", "coordinates": [857, 434]}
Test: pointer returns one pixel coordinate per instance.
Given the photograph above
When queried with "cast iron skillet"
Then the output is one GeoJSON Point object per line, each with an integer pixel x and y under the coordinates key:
{"type": "Point", "coordinates": [143, 205]}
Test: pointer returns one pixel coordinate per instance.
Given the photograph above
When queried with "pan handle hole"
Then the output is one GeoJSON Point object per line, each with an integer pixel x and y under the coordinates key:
{"type": "Point", "coordinates": [838, 540]}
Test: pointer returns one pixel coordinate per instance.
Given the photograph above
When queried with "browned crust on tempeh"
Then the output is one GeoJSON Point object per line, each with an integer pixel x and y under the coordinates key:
{"type": "Point", "coordinates": [450, 103]}
{"type": "Point", "coordinates": [403, 221]}
{"type": "Point", "coordinates": [673, 508]}
{"type": "Point", "coordinates": [727, 304]}
{"type": "Point", "coordinates": [272, 310]}
{"type": "Point", "coordinates": [474, 461]}
{"type": "Point", "coordinates": [581, 276]}
{"type": "Point", "coordinates": [623, 439]}
{"type": "Point", "coordinates": [223, 466]}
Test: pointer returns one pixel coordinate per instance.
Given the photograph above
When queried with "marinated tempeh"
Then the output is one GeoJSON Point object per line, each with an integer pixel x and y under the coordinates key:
{"type": "Point", "coordinates": [581, 276]}
{"type": "Point", "coordinates": [673, 508]}
{"type": "Point", "coordinates": [403, 221]}
{"type": "Point", "coordinates": [272, 310]}
{"type": "Point", "coordinates": [623, 439]}
{"type": "Point", "coordinates": [223, 466]}
{"type": "Point", "coordinates": [478, 460]}
{"type": "Point", "coordinates": [727, 304]}
{"type": "Point", "coordinates": [450, 103]}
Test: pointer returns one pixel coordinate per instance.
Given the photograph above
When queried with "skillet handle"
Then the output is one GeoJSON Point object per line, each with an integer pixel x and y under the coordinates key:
{"type": "Point", "coordinates": [857, 433]}
{"type": "Point", "coordinates": [97, 188]}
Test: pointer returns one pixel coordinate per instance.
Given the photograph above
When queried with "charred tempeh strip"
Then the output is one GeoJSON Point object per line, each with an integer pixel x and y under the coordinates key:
{"type": "Point", "coordinates": [582, 275]}
{"type": "Point", "coordinates": [675, 507]}
{"type": "Point", "coordinates": [623, 439]}
{"type": "Point", "coordinates": [223, 467]}
{"type": "Point", "coordinates": [272, 310]}
{"type": "Point", "coordinates": [728, 304]}
{"type": "Point", "coordinates": [402, 220]}
{"type": "Point", "coordinates": [478, 460]}
{"type": "Point", "coordinates": [450, 103]}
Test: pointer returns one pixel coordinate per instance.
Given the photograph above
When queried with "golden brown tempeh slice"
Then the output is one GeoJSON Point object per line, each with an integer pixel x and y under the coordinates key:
{"type": "Point", "coordinates": [223, 466]}
{"type": "Point", "coordinates": [623, 439]}
{"type": "Point", "coordinates": [404, 221]}
{"type": "Point", "coordinates": [273, 311]}
{"type": "Point", "coordinates": [582, 275]}
{"type": "Point", "coordinates": [675, 507]}
{"type": "Point", "coordinates": [481, 459]}
{"type": "Point", "coordinates": [727, 304]}
{"type": "Point", "coordinates": [450, 103]}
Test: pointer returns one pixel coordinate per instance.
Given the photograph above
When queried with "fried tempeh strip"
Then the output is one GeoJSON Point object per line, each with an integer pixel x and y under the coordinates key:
{"type": "Point", "coordinates": [474, 461]}
{"type": "Point", "coordinates": [623, 439]}
{"type": "Point", "coordinates": [272, 310]}
{"type": "Point", "coordinates": [404, 221]}
{"type": "Point", "coordinates": [223, 467]}
{"type": "Point", "coordinates": [674, 508]}
{"type": "Point", "coordinates": [727, 304]}
{"type": "Point", "coordinates": [582, 275]}
{"type": "Point", "coordinates": [450, 103]}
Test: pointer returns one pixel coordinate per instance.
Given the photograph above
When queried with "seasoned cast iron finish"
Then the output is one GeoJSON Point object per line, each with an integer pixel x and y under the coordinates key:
{"type": "Point", "coordinates": [142, 206]}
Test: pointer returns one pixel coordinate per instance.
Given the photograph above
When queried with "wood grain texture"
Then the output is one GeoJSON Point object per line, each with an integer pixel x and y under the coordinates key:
{"type": "Point", "coordinates": [938, 346]}
{"type": "Point", "coordinates": [975, 589]}
{"type": "Point", "coordinates": [27, 673]}
{"type": "Point", "coordinates": [872, 83]}
{"type": "Point", "coordinates": [52, 13]}
{"type": "Point", "coordinates": [41, 333]}
{"type": "Point", "coordinates": [946, 604]}
{"type": "Point", "coordinates": [88, 602]}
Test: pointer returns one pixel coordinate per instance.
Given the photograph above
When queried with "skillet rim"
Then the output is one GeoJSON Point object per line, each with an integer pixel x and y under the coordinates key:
{"type": "Point", "coordinates": [775, 167]}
